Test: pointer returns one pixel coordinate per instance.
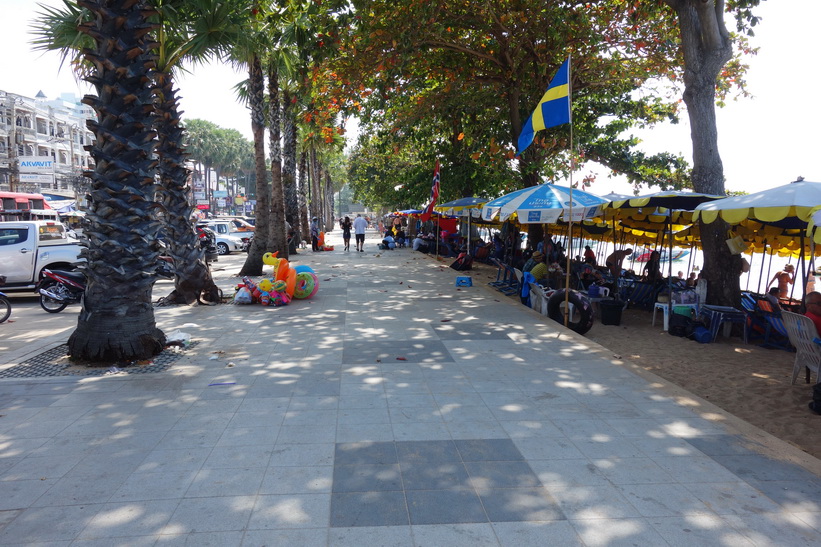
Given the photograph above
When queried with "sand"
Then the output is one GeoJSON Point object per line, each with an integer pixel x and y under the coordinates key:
{"type": "Point", "coordinates": [745, 380]}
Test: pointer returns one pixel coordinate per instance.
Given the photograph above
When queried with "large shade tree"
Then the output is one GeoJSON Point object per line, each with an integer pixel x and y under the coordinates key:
{"type": "Point", "coordinates": [707, 47]}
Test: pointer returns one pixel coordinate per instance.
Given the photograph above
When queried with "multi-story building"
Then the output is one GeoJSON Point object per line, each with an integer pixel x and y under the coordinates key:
{"type": "Point", "coordinates": [41, 144]}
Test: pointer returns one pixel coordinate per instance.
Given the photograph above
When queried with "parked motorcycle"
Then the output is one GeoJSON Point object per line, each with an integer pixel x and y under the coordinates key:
{"type": "Point", "coordinates": [5, 304]}
{"type": "Point", "coordinates": [59, 288]}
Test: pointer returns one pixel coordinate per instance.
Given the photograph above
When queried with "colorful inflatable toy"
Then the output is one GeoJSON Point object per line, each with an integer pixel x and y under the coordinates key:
{"type": "Point", "coordinates": [306, 285]}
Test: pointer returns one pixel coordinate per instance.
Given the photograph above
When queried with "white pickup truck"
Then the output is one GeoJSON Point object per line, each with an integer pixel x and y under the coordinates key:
{"type": "Point", "coordinates": [26, 247]}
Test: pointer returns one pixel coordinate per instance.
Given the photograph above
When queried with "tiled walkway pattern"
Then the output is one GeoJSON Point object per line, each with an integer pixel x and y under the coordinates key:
{"type": "Point", "coordinates": [385, 413]}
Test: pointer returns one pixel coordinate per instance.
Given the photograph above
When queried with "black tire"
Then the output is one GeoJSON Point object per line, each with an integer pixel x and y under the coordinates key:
{"type": "Point", "coordinates": [582, 319]}
{"type": "Point", "coordinates": [49, 304]}
{"type": "Point", "coordinates": [5, 308]}
{"type": "Point", "coordinates": [222, 248]}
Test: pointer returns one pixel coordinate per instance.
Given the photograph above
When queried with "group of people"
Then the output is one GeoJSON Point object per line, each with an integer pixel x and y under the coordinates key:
{"type": "Point", "coordinates": [358, 225]}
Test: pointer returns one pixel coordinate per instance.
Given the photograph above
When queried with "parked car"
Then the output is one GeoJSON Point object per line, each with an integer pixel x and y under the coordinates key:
{"type": "Point", "coordinates": [228, 238]}
{"type": "Point", "coordinates": [242, 225]}
{"type": "Point", "coordinates": [28, 247]}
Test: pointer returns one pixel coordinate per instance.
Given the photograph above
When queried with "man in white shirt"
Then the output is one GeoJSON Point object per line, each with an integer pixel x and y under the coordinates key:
{"type": "Point", "coordinates": [359, 226]}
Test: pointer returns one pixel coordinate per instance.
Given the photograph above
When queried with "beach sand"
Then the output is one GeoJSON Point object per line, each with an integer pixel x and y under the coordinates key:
{"type": "Point", "coordinates": [745, 380]}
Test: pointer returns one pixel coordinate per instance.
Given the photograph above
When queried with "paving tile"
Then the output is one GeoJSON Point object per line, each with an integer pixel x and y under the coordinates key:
{"type": "Point", "coordinates": [366, 478]}
{"type": "Point", "coordinates": [215, 482]}
{"type": "Point", "coordinates": [444, 507]}
{"type": "Point", "coordinates": [365, 453]}
{"type": "Point", "coordinates": [427, 451]}
{"type": "Point", "coordinates": [598, 502]}
{"type": "Point", "coordinates": [732, 498]}
{"type": "Point", "coordinates": [297, 480]}
{"type": "Point", "coordinates": [504, 474]}
{"type": "Point", "coordinates": [473, 430]}
{"type": "Point", "coordinates": [364, 432]}
{"type": "Point", "coordinates": [307, 434]}
{"type": "Point", "coordinates": [21, 494]}
{"type": "Point", "coordinates": [698, 530]}
{"type": "Point", "coordinates": [382, 536]}
{"type": "Point", "coordinates": [289, 536]}
{"type": "Point", "coordinates": [154, 486]}
{"type": "Point", "coordinates": [48, 524]}
{"type": "Point", "coordinates": [664, 500]}
{"type": "Point", "coordinates": [624, 532]}
{"type": "Point", "coordinates": [421, 431]}
{"type": "Point", "coordinates": [273, 512]}
{"type": "Point", "coordinates": [479, 450]}
{"type": "Point", "coordinates": [454, 535]}
{"type": "Point", "coordinates": [535, 534]}
{"type": "Point", "coordinates": [133, 518]}
{"type": "Point", "coordinates": [358, 352]}
{"type": "Point", "coordinates": [520, 504]}
{"type": "Point", "coordinates": [633, 471]}
{"type": "Point", "coordinates": [349, 509]}
{"type": "Point", "coordinates": [567, 472]}
{"type": "Point", "coordinates": [434, 476]}
{"type": "Point", "coordinates": [309, 454]}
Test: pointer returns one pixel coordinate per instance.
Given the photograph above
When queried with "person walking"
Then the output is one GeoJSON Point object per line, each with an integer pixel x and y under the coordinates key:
{"type": "Point", "coordinates": [346, 226]}
{"type": "Point", "coordinates": [359, 226]}
{"type": "Point", "coordinates": [315, 234]}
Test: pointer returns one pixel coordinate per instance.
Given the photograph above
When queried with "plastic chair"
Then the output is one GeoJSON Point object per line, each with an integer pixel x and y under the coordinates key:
{"type": "Point", "coordinates": [801, 331]}
{"type": "Point", "coordinates": [538, 298]}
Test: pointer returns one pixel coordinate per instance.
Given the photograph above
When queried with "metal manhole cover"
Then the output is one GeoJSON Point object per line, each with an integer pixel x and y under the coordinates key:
{"type": "Point", "coordinates": [55, 363]}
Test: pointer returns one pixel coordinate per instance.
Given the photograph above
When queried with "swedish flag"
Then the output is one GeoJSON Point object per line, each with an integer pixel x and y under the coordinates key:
{"type": "Point", "coordinates": [552, 110]}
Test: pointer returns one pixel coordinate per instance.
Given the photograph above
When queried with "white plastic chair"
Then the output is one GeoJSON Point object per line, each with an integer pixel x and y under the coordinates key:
{"type": "Point", "coordinates": [538, 299]}
{"type": "Point", "coordinates": [802, 331]}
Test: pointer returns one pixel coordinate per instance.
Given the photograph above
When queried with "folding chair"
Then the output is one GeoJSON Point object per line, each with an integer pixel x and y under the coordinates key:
{"type": "Point", "coordinates": [802, 333]}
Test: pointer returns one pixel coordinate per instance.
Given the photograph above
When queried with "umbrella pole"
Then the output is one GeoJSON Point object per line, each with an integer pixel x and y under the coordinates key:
{"type": "Point", "coordinates": [438, 235]}
{"type": "Point", "coordinates": [761, 271]}
{"type": "Point", "coordinates": [751, 270]}
{"type": "Point", "coordinates": [769, 268]}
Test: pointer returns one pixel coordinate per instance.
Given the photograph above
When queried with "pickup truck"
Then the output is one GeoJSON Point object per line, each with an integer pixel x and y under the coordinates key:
{"type": "Point", "coordinates": [26, 247]}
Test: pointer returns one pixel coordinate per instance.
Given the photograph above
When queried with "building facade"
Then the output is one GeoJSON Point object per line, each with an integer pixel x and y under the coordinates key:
{"type": "Point", "coordinates": [41, 144]}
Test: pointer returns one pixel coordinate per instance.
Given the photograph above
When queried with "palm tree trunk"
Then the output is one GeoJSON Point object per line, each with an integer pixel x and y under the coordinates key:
{"type": "Point", "coordinates": [193, 277]}
{"type": "Point", "coordinates": [279, 235]}
{"type": "Point", "coordinates": [316, 193]}
{"type": "Point", "coordinates": [259, 246]}
{"type": "Point", "coordinates": [289, 181]}
{"type": "Point", "coordinates": [117, 319]}
{"type": "Point", "coordinates": [304, 226]}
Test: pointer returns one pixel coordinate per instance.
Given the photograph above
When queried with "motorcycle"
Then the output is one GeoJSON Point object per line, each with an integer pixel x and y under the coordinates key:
{"type": "Point", "coordinates": [59, 288]}
{"type": "Point", "coordinates": [5, 304]}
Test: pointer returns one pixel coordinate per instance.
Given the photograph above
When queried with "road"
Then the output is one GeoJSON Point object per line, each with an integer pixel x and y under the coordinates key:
{"type": "Point", "coordinates": [29, 322]}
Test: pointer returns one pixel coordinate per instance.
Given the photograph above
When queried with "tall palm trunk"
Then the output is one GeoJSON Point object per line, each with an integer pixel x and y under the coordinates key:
{"type": "Point", "coordinates": [279, 235]}
{"type": "Point", "coordinates": [256, 97]}
{"type": "Point", "coordinates": [117, 319]}
{"type": "Point", "coordinates": [316, 192]}
{"type": "Point", "coordinates": [329, 201]}
{"type": "Point", "coordinates": [289, 181]}
{"type": "Point", "coordinates": [193, 277]}
{"type": "Point", "coordinates": [304, 226]}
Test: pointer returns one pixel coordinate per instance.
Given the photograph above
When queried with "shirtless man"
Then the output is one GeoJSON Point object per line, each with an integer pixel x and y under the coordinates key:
{"type": "Point", "coordinates": [615, 260]}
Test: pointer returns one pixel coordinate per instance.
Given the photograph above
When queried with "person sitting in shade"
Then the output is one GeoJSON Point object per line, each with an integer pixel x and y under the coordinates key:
{"type": "Point", "coordinates": [772, 298]}
{"type": "Point", "coordinates": [813, 302]}
{"type": "Point", "coordinates": [589, 253]}
{"type": "Point", "coordinates": [534, 259]}
{"type": "Point", "coordinates": [652, 270]}
{"type": "Point", "coordinates": [691, 279]}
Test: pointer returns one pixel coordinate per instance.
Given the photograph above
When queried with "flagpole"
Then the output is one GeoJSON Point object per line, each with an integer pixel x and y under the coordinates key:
{"type": "Point", "coordinates": [570, 197]}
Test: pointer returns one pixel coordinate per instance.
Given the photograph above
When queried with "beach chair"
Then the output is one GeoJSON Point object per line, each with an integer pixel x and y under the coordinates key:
{"type": "Point", "coordinates": [501, 274]}
{"type": "Point", "coordinates": [801, 331]}
{"type": "Point", "coordinates": [644, 295]}
{"type": "Point", "coordinates": [775, 333]}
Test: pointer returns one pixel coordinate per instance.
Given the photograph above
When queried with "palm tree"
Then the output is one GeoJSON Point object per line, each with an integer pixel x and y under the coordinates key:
{"type": "Point", "coordinates": [117, 319]}
{"type": "Point", "coordinates": [187, 30]}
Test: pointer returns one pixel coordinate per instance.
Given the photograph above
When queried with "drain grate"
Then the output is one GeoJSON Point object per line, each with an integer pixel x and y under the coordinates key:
{"type": "Point", "coordinates": [54, 362]}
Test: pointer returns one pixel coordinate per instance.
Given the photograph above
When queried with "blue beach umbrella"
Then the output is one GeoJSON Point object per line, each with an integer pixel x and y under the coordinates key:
{"type": "Point", "coordinates": [544, 204]}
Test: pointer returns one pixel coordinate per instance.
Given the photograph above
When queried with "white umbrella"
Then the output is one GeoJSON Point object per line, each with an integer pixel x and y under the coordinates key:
{"type": "Point", "coordinates": [796, 199]}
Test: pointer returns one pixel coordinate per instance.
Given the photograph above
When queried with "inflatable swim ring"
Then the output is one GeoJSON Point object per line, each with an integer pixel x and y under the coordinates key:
{"type": "Point", "coordinates": [306, 285]}
{"type": "Point", "coordinates": [581, 320]}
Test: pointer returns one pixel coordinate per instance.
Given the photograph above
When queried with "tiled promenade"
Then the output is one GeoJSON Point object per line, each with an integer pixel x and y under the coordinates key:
{"type": "Point", "coordinates": [392, 409]}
